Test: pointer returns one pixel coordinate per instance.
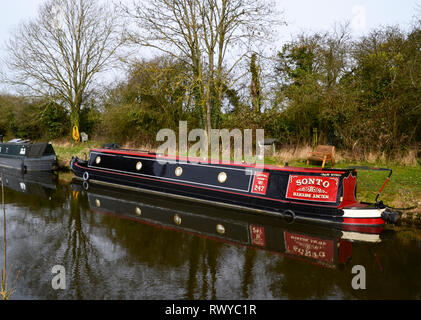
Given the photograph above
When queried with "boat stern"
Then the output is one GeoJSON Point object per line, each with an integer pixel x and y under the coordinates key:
{"type": "Point", "coordinates": [369, 215]}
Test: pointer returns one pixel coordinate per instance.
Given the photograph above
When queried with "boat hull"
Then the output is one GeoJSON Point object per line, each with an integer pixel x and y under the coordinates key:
{"type": "Point", "coordinates": [28, 157]}
{"type": "Point", "coordinates": [198, 181]}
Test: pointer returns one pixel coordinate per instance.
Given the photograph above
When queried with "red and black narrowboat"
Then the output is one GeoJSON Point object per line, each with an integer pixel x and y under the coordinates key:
{"type": "Point", "coordinates": [301, 194]}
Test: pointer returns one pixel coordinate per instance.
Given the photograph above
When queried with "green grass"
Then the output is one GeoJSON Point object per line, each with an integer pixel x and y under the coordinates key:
{"type": "Point", "coordinates": [66, 150]}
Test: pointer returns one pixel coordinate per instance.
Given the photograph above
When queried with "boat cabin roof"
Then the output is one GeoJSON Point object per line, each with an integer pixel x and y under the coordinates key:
{"type": "Point", "coordinates": [200, 160]}
{"type": "Point", "coordinates": [30, 150]}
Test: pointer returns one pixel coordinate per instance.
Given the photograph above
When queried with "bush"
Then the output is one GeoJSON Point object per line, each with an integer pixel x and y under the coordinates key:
{"type": "Point", "coordinates": [56, 119]}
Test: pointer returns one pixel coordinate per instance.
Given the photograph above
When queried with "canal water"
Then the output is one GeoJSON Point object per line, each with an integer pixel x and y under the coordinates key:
{"type": "Point", "coordinates": [111, 244]}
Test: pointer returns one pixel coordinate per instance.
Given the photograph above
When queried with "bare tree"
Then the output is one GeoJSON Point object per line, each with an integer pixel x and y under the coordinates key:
{"type": "Point", "coordinates": [60, 53]}
{"type": "Point", "coordinates": [211, 36]}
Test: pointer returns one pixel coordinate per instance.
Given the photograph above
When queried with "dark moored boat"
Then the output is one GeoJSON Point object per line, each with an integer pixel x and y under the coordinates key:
{"type": "Point", "coordinates": [320, 245]}
{"type": "Point", "coordinates": [306, 194]}
{"type": "Point", "coordinates": [26, 156]}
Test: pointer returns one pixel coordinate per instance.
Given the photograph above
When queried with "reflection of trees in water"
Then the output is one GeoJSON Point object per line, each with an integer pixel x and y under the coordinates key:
{"type": "Point", "coordinates": [194, 260]}
{"type": "Point", "coordinates": [78, 250]}
{"type": "Point", "coordinates": [203, 257]}
{"type": "Point", "coordinates": [295, 279]}
{"type": "Point", "coordinates": [42, 220]}
{"type": "Point", "coordinates": [168, 250]}
{"type": "Point", "coordinates": [164, 249]}
{"type": "Point", "coordinates": [249, 261]}
{"type": "Point", "coordinates": [392, 270]}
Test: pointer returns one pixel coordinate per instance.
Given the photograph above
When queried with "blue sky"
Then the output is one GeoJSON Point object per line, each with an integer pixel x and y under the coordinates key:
{"type": "Point", "coordinates": [301, 15]}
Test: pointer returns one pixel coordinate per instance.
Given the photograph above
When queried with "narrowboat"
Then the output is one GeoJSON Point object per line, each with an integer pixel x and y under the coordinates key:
{"type": "Point", "coordinates": [325, 196]}
{"type": "Point", "coordinates": [320, 245]}
{"type": "Point", "coordinates": [26, 156]}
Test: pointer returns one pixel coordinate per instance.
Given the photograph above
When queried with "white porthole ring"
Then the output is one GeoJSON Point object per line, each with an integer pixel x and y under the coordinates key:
{"type": "Point", "coordinates": [85, 176]}
{"type": "Point", "coordinates": [138, 211]}
{"type": "Point", "coordinates": [177, 219]}
{"type": "Point", "coordinates": [220, 229]}
{"type": "Point", "coordinates": [139, 166]}
{"type": "Point", "coordinates": [178, 171]}
{"type": "Point", "coordinates": [222, 177]}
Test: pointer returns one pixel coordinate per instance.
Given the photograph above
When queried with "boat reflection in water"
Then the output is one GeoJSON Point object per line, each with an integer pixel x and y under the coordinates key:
{"type": "Point", "coordinates": [316, 244]}
{"type": "Point", "coordinates": [35, 183]}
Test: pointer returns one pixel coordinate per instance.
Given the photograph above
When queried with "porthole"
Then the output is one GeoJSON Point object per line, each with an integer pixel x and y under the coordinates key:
{"type": "Point", "coordinates": [98, 160]}
{"type": "Point", "coordinates": [222, 177]}
{"type": "Point", "coordinates": [138, 166]}
{"type": "Point", "coordinates": [220, 229]}
{"type": "Point", "coordinates": [179, 171]}
{"type": "Point", "coordinates": [138, 211]}
{"type": "Point", "coordinates": [177, 219]}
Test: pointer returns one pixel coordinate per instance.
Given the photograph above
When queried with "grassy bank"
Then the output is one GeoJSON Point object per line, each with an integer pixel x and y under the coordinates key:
{"type": "Point", "coordinates": [402, 191]}
{"type": "Point", "coordinates": [66, 150]}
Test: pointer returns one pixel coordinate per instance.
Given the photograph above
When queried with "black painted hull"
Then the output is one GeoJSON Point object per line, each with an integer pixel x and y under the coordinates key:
{"type": "Point", "coordinates": [199, 183]}
{"type": "Point", "coordinates": [48, 163]}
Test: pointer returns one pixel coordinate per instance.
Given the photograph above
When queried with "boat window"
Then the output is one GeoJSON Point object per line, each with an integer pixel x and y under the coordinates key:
{"type": "Point", "coordinates": [179, 171]}
{"type": "Point", "coordinates": [49, 150]}
{"type": "Point", "coordinates": [222, 177]}
{"type": "Point", "coordinates": [138, 166]}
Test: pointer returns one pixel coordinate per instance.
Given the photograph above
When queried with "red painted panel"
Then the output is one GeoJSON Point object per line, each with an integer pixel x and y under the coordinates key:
{"type": "Point", "coordinates": [350, 183]}
{"type": "Point", "coordinates": [260, 182]}
{"type": "Point", "coordinates": [313, 188]}
{"type": "Point", "coordinates": [258, 236]}
{"type": "Point", "coordinates": [310, 247]}
{"type": "Point", "coordinates": [364, 221]}
{"type": "Point", "coordinates": [345, 251]}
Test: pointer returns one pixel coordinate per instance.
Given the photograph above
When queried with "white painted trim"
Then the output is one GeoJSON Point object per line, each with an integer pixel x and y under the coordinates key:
{"type": "Point", "coordinates": [358, 236]}
{"type": "Point", "coordinates": [363, 213]}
